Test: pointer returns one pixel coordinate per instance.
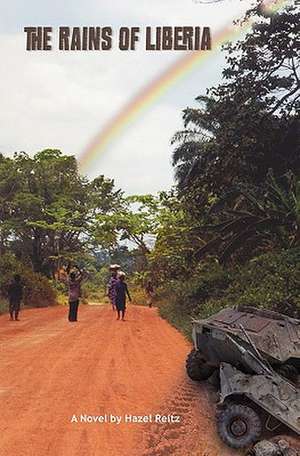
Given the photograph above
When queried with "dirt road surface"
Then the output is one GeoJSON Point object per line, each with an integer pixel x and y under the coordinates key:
{"type": "Point", "coordinates": [51, 370]}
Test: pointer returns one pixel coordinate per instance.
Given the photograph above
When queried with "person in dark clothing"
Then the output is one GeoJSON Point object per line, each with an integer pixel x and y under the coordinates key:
{"type": "Point", "coordinates": [15, 295]}
{"type": "Point", "coordinates": [150, 293]}
{"type": "Point", "coordinates": [74, 284]}
{"type": "Point", "coordinates": [121, 292]}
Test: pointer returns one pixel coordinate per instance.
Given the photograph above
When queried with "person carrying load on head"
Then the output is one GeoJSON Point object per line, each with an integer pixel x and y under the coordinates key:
{"type": "Point", "coordinates": [121, 292]}
{"type": "Point", "coordinates": [74, 279]}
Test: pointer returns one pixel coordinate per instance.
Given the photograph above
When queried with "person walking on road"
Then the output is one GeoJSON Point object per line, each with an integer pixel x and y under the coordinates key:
{"type": "Point", "coordinates": [111, 287]}
{"type": "Point", "coordinates": [121, 292]}
{"type": "Point", "coordinates": [15, 295]}
{"type": "Point", "coordinates": [74, 283]}
{"type": "Point", "coordinates": [149, 292]}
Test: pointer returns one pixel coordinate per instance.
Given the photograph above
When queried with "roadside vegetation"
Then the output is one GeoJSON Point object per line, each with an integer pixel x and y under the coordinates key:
{"type": "Point", "coordinates": [230, 230]}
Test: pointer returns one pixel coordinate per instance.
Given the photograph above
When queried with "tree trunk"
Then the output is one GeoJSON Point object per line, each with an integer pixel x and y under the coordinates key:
{"type": "Point", "coordinates": [36, 254]}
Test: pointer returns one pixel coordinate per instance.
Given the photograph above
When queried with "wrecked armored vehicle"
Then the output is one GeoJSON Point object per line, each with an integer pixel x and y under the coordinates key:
{"type": "Point", "coordinates": [257, 355]}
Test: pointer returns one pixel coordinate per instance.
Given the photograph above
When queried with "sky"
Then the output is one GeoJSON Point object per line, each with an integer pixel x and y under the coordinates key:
{"type": "Point", "coordinates": [63, 100]}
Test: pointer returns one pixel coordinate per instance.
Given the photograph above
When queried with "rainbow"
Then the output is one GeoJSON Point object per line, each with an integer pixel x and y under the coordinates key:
{"type": "Point", "coordinates": [153, 91]}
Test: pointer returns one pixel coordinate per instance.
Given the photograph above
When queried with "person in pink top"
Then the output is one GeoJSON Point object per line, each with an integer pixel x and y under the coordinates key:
{"type": "Point", "coordinates": [74, 285]}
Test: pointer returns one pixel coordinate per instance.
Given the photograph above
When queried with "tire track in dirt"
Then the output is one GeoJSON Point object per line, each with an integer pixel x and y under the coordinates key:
{"type": "Point", "coordinates": [195, 434]}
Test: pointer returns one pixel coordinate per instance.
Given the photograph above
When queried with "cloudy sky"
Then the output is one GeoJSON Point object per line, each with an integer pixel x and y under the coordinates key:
{"type": "Point", "coordinates": [62, 100]}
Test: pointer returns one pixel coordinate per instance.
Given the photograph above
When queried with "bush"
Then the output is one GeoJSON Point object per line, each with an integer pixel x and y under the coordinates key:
{"type": "Point", "coordinates": [176, 314]}
{"type": "Point", "coordinates": [3, 306]}
{"type": "Point", "coordinates": [38, 291]}
{"type": "Point", "coordinates": [180, 300]}
{"type": "Point", "coordinates": [138, 294]}
{"type": "Point", "coordinates": [270, 281]}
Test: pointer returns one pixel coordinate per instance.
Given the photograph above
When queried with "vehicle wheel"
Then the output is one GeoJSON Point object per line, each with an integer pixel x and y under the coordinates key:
{"type": "Point", "coordinates": [239, 426]}
{"type": "Point", "coordinates": [197, 368]}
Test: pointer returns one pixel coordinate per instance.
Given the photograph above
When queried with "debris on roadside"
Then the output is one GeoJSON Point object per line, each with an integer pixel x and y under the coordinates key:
{"type": "Point", "coordinates": [268, 448]}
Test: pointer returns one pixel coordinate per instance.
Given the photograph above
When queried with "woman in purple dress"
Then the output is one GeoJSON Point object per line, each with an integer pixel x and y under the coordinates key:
{"type": "Point", "coordinates": [111, 287]}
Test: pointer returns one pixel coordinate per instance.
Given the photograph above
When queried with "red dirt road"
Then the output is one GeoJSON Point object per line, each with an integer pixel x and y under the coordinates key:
{"type": "Point", "coordinates": [51, 370]}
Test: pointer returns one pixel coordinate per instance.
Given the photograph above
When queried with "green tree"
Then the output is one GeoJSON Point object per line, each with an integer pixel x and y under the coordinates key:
{"type": "Point", "coordinates": [253, 222]}
{"type": "Point", "coordinates": [48, 208]}
{"type": "Point", "coordinates": [135, 222]}
{"type": "Point", "coordinates": [177, 237]}
{"type": "Point", "coordinates": [250, 122]}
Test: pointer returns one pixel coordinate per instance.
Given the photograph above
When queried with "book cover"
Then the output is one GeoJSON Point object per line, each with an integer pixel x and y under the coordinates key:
{"type": "Point", "coordinates": [150, 228]}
